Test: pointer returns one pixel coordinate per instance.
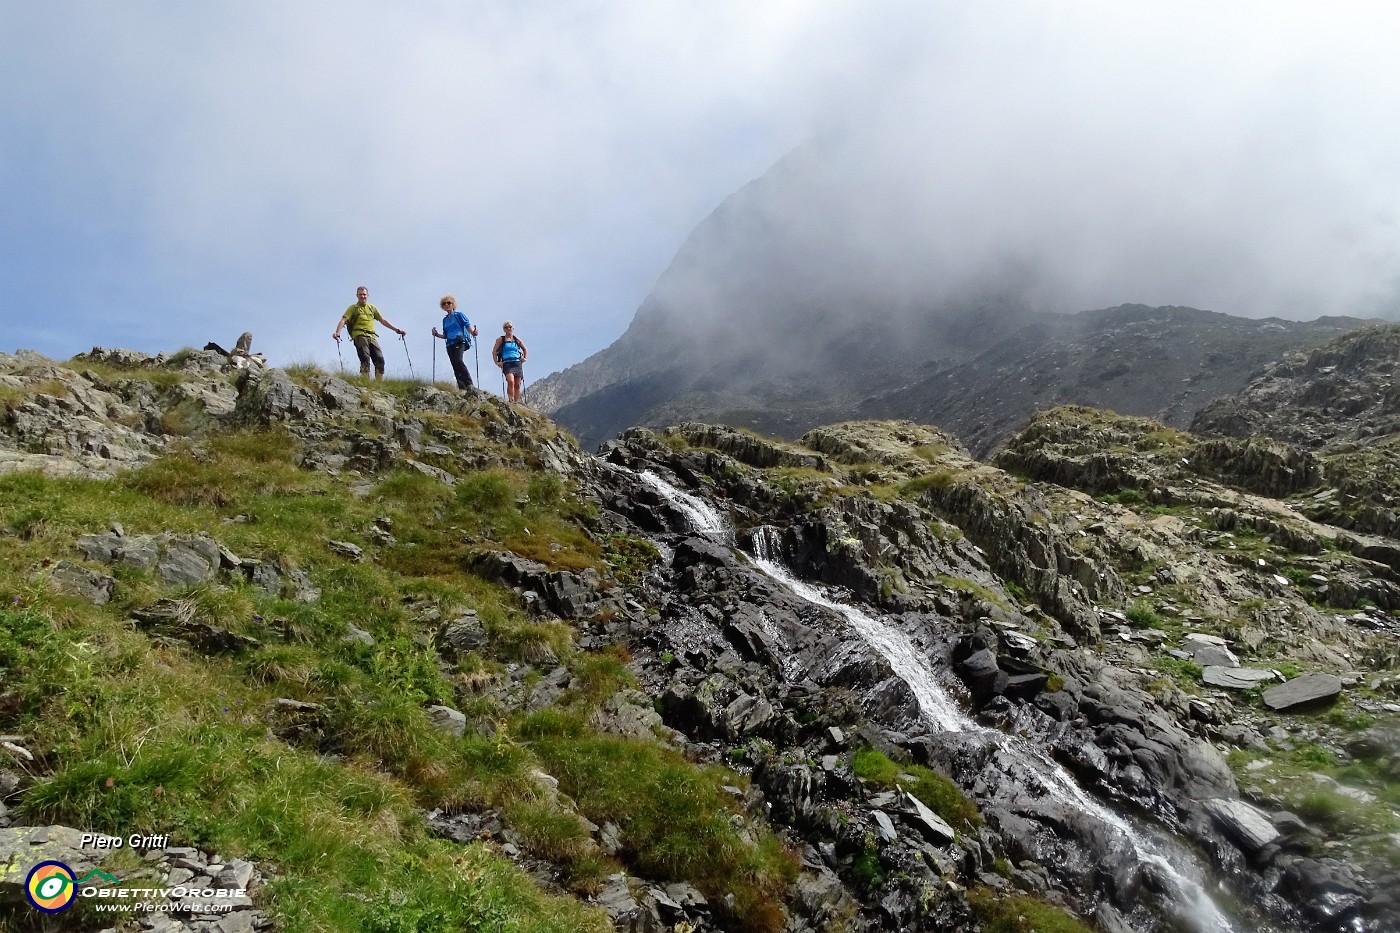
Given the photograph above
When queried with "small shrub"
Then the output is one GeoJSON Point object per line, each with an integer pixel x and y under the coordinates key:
{"type": "Point", "coordinates": [1017, 913]}
{"type": "Point", "coordinates": [1298, 576]}
{"type": "Point", "coordinates": [932, 452]}
{"type": "Point", "coordinates": [629, 556]}
{"type": "Point", "coordinates": [1188, 672]}
{"type": "Point", "coordinates": [186, 419]}
{"type": "Point", "coordinates": [936, 791]}
{"type": "Point", "coordinates": [548, 830]}
{"type": "Point", "coordinates": [676, 822]}
{"type": "Point", "coordinates": [389, 729]}
{"type": "Point", "coordinates": [1335, 810]}
{"type": "Point", "coordinates": [414, 490]}
{"type": "Point", "coordinates": [487, 492]}
{"type": "Point", "coordinates": [546, 490]}
{"type": "Point", "coordinates": [1350, 720]}
{"type": "Point", "coordinates": [866, 871]}
{"type": "Point", "coordinates": [1141, 615]}
{"type": "Point", "coordinates": [113, 790]}
{"type": "Point", "coordinates": [939, 479]}
{"type": "Point", "coordinates": [603, 674]}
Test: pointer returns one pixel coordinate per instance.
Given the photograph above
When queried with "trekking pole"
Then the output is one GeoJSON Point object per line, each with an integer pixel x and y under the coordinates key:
{"type": "Point", "coordinates": [434, 361]}
{"type": "Point", "coordinates": [409, 358]}
{"type": "Point", "coordinates": [476, 344]}
{"type": "Point", "coordinates": [338, 353]}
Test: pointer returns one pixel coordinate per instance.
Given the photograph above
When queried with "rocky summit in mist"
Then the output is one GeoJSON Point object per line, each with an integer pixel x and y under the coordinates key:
{"type": "Point", "coordinates": [796, 304]}
{"type": "Point", "coordinates": [341, 655]}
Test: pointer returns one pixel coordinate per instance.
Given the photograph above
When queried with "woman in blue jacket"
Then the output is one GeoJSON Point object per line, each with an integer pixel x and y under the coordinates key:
{"type": "Point", "coordinates": [458, 332]}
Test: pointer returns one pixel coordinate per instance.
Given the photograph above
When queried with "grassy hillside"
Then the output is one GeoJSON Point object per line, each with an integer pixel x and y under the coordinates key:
{"type": "Point", "coordinates": [140, 720]}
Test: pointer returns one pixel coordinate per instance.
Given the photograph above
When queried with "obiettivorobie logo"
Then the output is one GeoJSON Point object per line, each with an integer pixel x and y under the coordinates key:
{"type": "Point", "coordinates": [52, 888]}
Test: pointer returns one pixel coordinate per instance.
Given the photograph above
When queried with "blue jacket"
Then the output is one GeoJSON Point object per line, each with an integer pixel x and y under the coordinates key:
{"type": "Point", "coordinates": [456, 328]}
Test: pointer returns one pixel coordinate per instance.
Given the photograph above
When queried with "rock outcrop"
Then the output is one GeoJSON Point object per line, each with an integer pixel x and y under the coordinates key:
{"type": "Point", "coordinates": [1114, 658]}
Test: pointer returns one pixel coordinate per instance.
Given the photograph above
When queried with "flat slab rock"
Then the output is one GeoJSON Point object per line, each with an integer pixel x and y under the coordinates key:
{"type": "Point", "coordinates": [1236, 678]}
{"type": "Point", "coordinates": [1247, 825]}
{"type": "Point", "coordinates": [1303, 692]}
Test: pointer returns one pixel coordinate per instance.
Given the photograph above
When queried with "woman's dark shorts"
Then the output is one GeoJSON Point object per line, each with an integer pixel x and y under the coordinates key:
{"type": "Point", "coordinates": [516, 368]}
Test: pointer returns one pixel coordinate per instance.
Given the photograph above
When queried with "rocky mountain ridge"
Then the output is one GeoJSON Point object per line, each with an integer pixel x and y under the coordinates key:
{"type": "Point", "coordinates": [979, 372]}
{"type": "Point", "coordinates": [883, 658]}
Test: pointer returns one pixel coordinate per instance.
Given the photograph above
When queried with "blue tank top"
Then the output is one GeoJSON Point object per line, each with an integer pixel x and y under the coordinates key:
{"type": "Point", "coordinates": [510, 351]}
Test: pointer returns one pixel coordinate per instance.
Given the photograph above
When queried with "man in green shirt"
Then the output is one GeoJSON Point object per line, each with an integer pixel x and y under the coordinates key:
{"type": "Point", "coordinates": [360, 318]}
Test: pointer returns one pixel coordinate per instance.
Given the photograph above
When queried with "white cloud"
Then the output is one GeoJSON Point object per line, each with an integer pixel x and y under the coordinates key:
{"type": "Point", "coordinates": [177, 173]}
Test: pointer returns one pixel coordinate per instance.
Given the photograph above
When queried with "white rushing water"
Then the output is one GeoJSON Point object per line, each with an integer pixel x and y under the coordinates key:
{"type": "Point", "coordinates": [1194, 907]}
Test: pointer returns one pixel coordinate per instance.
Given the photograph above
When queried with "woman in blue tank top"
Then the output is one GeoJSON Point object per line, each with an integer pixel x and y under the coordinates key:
{"type": "Point", "coordinates": [509, 354]}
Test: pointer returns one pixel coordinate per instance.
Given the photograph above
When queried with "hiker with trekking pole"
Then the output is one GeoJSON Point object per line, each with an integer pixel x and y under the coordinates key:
{"type": "Point", "coordinates": [458, 331]}
{"type": "Point", "coordinates": [509, 353]}
{"type": "Point", "coordinates": [359, 319]}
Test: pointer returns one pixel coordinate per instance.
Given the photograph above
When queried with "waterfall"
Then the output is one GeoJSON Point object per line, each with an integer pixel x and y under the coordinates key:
{"type": "Point", "coordinates": [1189, 900]}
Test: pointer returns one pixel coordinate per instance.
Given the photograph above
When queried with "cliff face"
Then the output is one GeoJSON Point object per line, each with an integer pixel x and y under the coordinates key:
{"type": "Point", "coordinates": [1115, 679]}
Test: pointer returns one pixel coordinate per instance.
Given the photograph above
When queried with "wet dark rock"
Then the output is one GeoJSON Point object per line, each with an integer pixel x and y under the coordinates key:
{"type": "Point", "coordinates": [567, 594]}
{"type": "Point", "coordinates": [696, 550]}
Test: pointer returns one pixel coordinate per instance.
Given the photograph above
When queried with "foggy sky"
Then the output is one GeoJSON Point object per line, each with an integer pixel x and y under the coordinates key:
{"type": "Point", "coordinates": [176, 173]}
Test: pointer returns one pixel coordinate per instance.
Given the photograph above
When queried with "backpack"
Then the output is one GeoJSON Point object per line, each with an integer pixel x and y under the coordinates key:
{"type": "Point", "coordinates": [456, 329]}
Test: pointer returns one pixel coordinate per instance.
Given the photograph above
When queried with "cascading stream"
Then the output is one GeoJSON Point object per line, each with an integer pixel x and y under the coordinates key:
{"type": "Point", "coordinates": [1192, 905]}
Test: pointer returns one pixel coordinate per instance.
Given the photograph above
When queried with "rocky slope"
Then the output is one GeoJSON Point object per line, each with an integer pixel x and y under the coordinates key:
{"type": "Point", "coordinates": [1114, 680]}
{"type": "Point", "coordinates": [1340, 404]}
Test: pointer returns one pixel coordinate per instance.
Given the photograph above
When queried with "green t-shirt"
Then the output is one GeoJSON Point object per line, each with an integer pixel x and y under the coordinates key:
{"type": "Point", "coordinates": [359, 320]}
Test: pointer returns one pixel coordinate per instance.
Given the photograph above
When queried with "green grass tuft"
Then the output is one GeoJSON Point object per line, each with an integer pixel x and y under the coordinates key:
{"type": "Point", "coordinates": [937, 792]}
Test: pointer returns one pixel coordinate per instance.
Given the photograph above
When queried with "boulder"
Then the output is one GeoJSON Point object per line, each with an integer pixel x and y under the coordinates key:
{"type": "Point", "coordinates": [461, 635]}
{"type": "Point", "coordinates": [1247, 825]}
{"type": "Point", "coordinates": [1304, 692]}
{"type": "Point", "coordinates": [627, 915]}
{"type": "Point", "coordinates": [884, 826]}
{"type": "Point", "coordinates": [449, 720]}
{"type": "Point", "coordinates": [929, 824]}
{"type": "Point", "coordinates": [23, 847]}
{"type": "Point", "coordinates": [1215, 656]}
{"type": "Point", "coordinates": [77, 581]}
{"type": "Point", "coordinates": [347, 550]}
{"type": "Point", "coordinates": [189, 559]}
{"type": "Point", "coordinates": [1236, 678]}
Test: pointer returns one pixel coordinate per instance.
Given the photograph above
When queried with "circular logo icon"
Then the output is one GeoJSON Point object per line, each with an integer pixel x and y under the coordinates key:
{"type": "Point", "coordinates": [50, 887]}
